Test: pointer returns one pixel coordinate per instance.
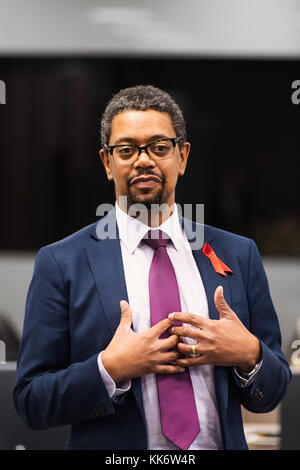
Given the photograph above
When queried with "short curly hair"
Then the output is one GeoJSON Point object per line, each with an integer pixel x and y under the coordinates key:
{"type": "Point", "coordinates": [142, 98]}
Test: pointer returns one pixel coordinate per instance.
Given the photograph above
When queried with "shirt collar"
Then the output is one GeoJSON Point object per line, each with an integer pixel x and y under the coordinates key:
{"type": "Point", "coordinates": [132, 231]}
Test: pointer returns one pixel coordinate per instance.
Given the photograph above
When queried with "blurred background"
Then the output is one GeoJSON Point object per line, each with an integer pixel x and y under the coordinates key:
{"type": "Point", "coordinates": [230, 64]}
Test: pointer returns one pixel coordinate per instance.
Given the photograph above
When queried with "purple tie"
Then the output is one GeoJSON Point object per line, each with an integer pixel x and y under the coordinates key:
{"type": "Point", "coordinates": [179, 419]}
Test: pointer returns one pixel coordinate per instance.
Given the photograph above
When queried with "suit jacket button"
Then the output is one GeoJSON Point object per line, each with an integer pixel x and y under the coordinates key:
{"type": "Point", "coordinates": [258, 394]}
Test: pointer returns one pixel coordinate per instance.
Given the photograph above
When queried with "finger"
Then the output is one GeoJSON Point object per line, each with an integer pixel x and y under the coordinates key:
{"type": "Point", "coordinates": [126, 315]}
{"type": "Point", "coordinates": [170, 357]}
{"type": "Point", "coordinates": [221, 304]}
{"type": "Point", "coordinates": [191, 361]}
{"type": "Point", "coordinates": [168, 343]}
{"type": "Point", "coordinates": [190, 318]}
{"type": "Point", "coordinates": [166, 369]}
{"type": "Point", "coordinates": [188, 349]}
{"type": "Point", "coordinates": [186, 331]}
{"type": "Point", "coordinates": [160, 327]}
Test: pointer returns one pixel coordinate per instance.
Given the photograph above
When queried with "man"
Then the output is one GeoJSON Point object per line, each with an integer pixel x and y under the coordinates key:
{"type": "Point", "coordinates": [141, 343]}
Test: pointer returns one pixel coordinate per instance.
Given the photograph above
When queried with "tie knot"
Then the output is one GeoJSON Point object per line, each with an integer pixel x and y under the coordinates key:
{"type": "Point", "coordinates": [156, 239]}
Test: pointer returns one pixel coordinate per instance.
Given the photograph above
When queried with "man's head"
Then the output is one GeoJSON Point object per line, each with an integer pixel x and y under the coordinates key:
{"type": "Point", "coordinates": [138, 116]}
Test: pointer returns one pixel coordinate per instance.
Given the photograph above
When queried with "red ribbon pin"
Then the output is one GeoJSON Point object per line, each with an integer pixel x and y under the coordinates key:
{"type": "Point", "coordinates": [218, 265]}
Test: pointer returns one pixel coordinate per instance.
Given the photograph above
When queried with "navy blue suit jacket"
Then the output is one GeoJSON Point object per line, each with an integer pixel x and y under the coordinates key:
{"type": "Point", "coordinates": [72, 312]}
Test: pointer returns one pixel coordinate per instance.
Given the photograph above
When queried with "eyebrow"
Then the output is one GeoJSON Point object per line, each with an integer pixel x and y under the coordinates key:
{"type": "Point", "coordinates": [133, 141]}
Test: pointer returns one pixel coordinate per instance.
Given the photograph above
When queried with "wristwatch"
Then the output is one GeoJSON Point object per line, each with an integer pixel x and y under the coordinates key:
{"type": "Point", "coordinates": [247, 375]}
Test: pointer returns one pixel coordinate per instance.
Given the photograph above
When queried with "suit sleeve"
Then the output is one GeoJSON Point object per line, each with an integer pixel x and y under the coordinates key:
{"type": "Point", "coordinates": [49, 390]}
{"type": "Point", "coordinates": [273, 377]}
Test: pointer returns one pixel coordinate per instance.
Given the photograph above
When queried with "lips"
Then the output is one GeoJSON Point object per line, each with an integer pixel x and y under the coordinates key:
{"type": "Point", "coordinates": [145, 179]}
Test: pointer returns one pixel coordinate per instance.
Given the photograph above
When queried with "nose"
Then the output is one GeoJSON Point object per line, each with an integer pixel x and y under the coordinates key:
{"type": "Point", "coordinates": [143, 160]}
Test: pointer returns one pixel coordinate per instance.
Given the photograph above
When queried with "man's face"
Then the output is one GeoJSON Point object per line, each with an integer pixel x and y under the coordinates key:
{"type": "Point", "coordinates": [140, 128]}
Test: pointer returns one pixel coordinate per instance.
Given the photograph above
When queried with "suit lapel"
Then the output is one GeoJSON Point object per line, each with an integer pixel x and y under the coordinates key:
{"type": "Point", "coordinates": [105, 259]}
{"type": "Point", "coordinates": [211, 280]}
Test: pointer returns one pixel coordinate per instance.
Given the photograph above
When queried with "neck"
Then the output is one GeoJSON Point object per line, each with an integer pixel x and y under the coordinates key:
{"type": "Point", "coordinates": [152, 217]}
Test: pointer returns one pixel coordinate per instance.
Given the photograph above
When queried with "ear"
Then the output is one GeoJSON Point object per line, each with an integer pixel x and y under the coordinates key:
{"type": "Point", "coordinates": [184, 153]}
{"type": "Point", "coordinates": [106, 162]}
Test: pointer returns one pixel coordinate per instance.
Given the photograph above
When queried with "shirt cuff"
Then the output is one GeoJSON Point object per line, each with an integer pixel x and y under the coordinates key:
{"type": "Point", "coordinates": [245, 382]}
{"type": "Point", "coordinates": [113, 390]}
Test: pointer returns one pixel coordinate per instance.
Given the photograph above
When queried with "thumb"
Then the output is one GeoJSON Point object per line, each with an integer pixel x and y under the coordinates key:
{"type": "Point", "coordinates": [221, 304]}
{"type": "Point", "coordinates": [126, 315]}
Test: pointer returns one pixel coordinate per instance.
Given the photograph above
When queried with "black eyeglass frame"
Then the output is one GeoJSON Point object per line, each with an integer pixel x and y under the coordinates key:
{"type": "Point", "coordinates": [174, 140]}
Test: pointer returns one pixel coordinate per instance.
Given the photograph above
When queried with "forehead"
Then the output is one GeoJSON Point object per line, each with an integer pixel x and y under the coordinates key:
{"type": "Point", "coordinates": [141, 125]}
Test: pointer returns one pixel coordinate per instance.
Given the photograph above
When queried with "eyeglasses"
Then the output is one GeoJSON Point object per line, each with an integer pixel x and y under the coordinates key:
{"type": "Point", "coordinates": [158, 150]}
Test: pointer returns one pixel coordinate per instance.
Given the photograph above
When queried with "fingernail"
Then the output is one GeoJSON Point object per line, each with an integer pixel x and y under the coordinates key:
{"type": "Point", "coordinates": [123, 305]}
{"type": "Point", "coordinates": [171, 315]}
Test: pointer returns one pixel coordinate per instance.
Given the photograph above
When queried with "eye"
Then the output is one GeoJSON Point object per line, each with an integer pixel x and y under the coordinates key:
{"type": "Point", "coordinates": [160, 148]}
{"type": "Point", "coordinates": [125, 150]}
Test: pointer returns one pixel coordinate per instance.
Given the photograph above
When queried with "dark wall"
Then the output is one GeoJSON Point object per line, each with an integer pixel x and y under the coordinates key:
{"type": "Point", "coordinates": [242, 124]}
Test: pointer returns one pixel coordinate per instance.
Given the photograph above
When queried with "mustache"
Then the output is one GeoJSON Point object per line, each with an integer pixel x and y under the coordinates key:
{"type": "Point", "coordinates": [143, 173]}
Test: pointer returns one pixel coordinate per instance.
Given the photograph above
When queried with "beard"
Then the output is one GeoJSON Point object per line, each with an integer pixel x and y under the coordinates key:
{"type": "Point", "coordinates": [146, 201]}
{"type": "Point", "coordinates": [159, 198]}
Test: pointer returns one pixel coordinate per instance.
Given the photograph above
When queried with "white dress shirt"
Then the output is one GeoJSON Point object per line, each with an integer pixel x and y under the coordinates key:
{"type": "Point", "coordinates": [137, 259]}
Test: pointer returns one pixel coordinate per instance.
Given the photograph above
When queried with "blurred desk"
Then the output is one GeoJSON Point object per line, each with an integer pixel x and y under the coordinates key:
{"type": "Point", "coordinates": [263, 430]}
{"type": "Point", "coordinates": [263, 436]}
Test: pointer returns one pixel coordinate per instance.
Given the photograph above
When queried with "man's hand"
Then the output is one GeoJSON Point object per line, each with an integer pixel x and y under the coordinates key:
{"type": "Point", "coordinates": [131, 354]}
{"type": "Point", "coordinates": [223, 342]}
